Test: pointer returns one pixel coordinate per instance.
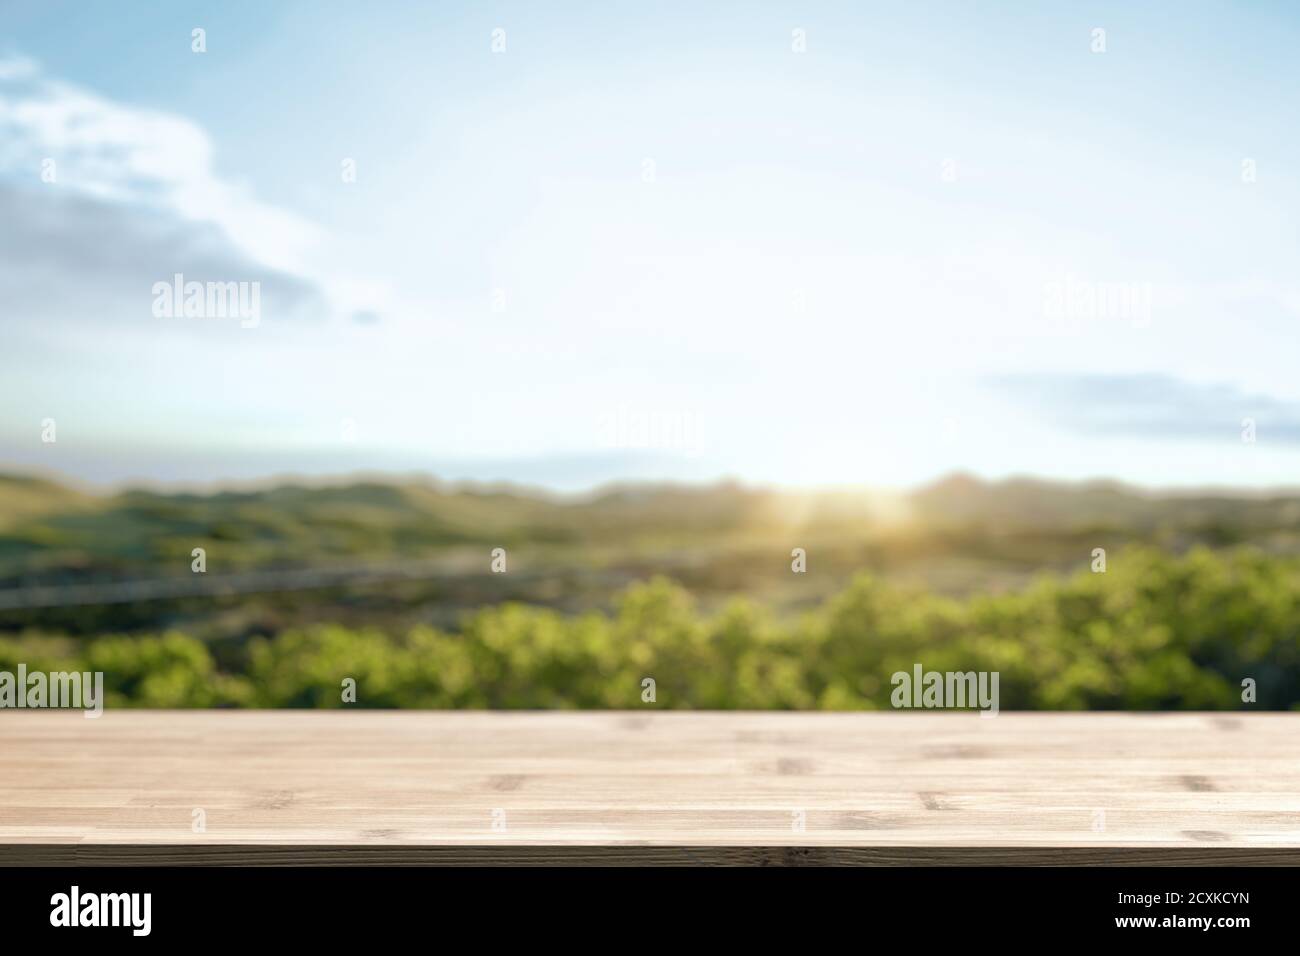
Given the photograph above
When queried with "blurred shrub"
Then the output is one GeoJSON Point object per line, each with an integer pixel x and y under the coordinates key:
{"type": "Point", "coordinates": [1154, 632]}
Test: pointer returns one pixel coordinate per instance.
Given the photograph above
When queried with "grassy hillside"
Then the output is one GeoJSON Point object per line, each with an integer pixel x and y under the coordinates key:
{"type": "Point", "coordinates": [50, 533]}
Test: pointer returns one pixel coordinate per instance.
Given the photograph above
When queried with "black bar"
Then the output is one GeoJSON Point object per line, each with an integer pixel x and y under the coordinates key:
{"type": "Point", "coordinates": [662, 909]}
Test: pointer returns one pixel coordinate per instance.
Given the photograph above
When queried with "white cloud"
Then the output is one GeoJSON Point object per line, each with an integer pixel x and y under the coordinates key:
{"type": "Point", "coordinates": [16, 67]}
{"type": "Point", "coordinates": [154, 166]}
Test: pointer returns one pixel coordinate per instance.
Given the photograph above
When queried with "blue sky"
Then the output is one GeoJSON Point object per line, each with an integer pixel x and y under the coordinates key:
{"type": "Point", "coordinates": [654, 241]}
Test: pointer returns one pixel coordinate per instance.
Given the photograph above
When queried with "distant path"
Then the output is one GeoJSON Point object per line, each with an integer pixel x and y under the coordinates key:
{"type": "Point", "coordinates": [299, 579]}
{"type": "Point", "coordinates": [217, 585]}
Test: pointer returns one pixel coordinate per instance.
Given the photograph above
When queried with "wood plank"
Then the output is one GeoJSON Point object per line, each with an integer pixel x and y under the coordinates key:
{"type": "Point", "coordinates": [637, 787]}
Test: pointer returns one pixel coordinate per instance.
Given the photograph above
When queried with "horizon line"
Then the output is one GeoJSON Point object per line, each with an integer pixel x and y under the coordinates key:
{"type": "Point", "coordinates": [424, 477]}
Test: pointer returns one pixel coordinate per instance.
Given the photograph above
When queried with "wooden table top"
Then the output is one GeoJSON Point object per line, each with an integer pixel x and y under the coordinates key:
{"type": "Point", "coordinates": [647, 787]}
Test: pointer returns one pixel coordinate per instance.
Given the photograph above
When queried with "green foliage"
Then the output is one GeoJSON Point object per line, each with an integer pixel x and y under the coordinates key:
{"type": "Point", "coordinates": [1154, 632]}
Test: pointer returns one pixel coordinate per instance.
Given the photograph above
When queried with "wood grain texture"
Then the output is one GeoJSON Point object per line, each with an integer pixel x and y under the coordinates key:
{"type": "Point", "coordinates": [295, 787]}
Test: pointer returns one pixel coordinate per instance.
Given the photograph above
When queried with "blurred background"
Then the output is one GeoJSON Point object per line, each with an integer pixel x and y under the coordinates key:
{"type": "Point", "coordinates": [778, 348]}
